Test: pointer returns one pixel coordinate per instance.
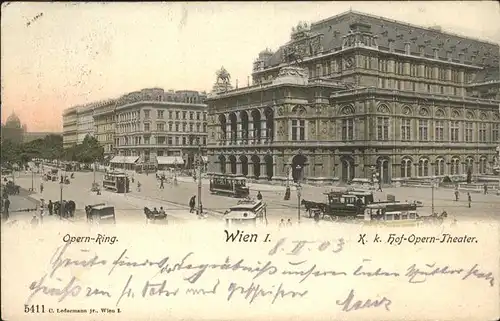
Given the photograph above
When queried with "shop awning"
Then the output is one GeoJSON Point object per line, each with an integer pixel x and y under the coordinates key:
{"type": "Point", "coordinates": [124, 159]}
{"type": "Point", "coordinates": [169, 160]}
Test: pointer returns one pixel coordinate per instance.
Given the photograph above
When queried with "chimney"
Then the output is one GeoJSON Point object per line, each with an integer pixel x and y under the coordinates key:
{"type": "Point", "coordinates": [436, 53]}
{"type": "Point", "coordinates": [391, 45]}
{"type": "Point", "coordinates": [448, 55]}
{"type": "Point", "coordinates": [421, 50]}
{"type": "Point", "coordinates": [407, 48]}
{"type": "Point", "coordinates": [461, 57]}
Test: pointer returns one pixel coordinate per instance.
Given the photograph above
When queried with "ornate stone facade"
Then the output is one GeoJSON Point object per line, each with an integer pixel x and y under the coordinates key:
{"type": "Point", "coordinates": [375, 99]}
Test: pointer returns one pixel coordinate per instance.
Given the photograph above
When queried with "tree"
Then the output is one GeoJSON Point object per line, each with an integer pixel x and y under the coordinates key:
{"type": "Point", "coordinates": [10, 152]}
{"type": "Point", "coordinates": [89, 150]}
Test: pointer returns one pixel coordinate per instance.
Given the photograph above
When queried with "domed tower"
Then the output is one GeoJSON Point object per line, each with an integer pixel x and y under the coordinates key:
{"type": "Point", "coordinates": [264, 57]}
{"type": "Point", "coordinates": [13, 121]}
{"type": "Point", "coordinates": [12, 130]}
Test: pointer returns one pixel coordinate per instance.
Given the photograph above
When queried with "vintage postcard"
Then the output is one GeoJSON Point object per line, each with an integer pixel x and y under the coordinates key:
{"type": "Point", "coordinates": [250, 161]}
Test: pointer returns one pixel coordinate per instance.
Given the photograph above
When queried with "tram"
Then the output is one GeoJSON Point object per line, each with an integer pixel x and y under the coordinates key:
{"type": "Point", "coordinates": [391, 214]}
{"type": "Point", "coordinates": [232, 185]}
{"type": "Point", "coordinates": [117, 182]}
{"type": "Point", "coordinates": [247, 212]}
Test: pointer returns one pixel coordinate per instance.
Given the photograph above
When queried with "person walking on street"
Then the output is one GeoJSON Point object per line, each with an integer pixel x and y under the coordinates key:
{"type": "Point", "coordinates": [138, 186]}
{"type": "Point", "coordinates": [50, 206]}
{"type": "Point", "coordinates": [289, 223]}
{"type": "Point", "coordinates": [282, 223]}
{"type": "Point", "coordinates": [161, 183]}
{"type": "Point", "coordinates": [259, 196]}
{"type": "Point", "coordinates": [456, 195]}
{"type": "Point", "coordinates": [6, 205]}
{"type": "Point", "coordinates": [469, 198]}
{"type": "Point", "coordinates": [192, 203]}
{"type": "Point", "coordinates": [41, 187]}
{"type": "Point", "coordinates": [379, 186]}
{"type": "Point", "coordinates": [485, 188]}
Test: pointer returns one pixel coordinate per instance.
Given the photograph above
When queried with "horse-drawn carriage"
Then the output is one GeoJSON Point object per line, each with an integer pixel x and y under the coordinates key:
{"type": "Point", "coordinates": [100, 214]}
{"type": "Point", "coordinates": [154, 216]}
{"type": "Point", "coordinates": [11, 189]}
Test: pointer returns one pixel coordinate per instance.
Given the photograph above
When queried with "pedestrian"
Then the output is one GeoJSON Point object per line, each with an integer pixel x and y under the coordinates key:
{"type": "Point", "coordinates": [42, 204]}
{"type": "Point", "coordinates": [138, 186]}
{"type": "Point", "coordinates": [161, 183]}
{"type": "Point", "coordinates": [259, 196]}
{"type": "Point", "coordinates": [469, 198]}
{"type": "Point", "coordinates": [192, 203]}
{"type": "Point", "coordinates": [282, 223]}
{"type": "Point", "coordinates": [50, 206]}
{"type": "Point", "coordinates": [379, 186]}
{"type": "Point", "coordinates": [6, 205]}
{"type": "Point", "coordinates": [289, 223]}
{"type": "Point", "coordinates": [485, 188]}
{"type": "Point", "coordinates": [34, 221]}
{"type": "Point", "coordinates": [41, 187]}
{"type": "Point", "coordinates": [201, 208]}
{"type": "Point", "coordinates": [456, 195]}
{"type": "Point", "coordinates": [162, 211]}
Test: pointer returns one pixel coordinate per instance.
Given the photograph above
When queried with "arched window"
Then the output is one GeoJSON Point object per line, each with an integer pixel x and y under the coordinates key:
{"type": "Point", "coordinates": [439, 167]}
{"type": "Point", "coordinates": [469, 165]}
{"type": "Point", "coordinates": [483, 164]}
{"type": "Point", "coordinates": [455, 166]}
{"type": "Point", "coordinates": [406, 167]}
{"type": "Point", "coordinates": [423, 167]}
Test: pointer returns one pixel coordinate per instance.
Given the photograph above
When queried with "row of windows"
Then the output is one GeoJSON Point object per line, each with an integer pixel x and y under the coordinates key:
{"type": "Point", "coordinates": [160, 140]}
{"type": "Point", "coordinates": [160, 114]}
{"type": "Point", "coordinates": [399, 85]}
{"type": "Point", "coordinates": [424, 126]}
{"type": "Point", "coordinates": [423, 167]}
{"type": "Point", "coordinates": [177, 98]}
{"type": "Point", "coordinates": [423, 134]}
{"type": "Point", "coordinates": [134, 127]}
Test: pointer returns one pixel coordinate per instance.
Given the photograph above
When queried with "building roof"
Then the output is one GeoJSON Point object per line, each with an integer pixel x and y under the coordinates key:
{"type": "Point", "coordinates": [334, 28]}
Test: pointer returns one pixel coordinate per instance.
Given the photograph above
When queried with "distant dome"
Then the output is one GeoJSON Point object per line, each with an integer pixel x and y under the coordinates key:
{"type": "Point", "coordinates": [13, 121]}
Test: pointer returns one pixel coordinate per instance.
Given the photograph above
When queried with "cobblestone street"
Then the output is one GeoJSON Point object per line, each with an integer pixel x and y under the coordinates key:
{"type": "Point", "coordinates": [174, 199]}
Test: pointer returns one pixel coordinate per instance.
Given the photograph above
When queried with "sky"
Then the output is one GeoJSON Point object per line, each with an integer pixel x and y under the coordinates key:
{"type": "Point", "coordinates": [77, 53]}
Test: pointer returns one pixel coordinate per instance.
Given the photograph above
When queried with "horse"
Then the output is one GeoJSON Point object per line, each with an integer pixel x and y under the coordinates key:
{"type": "Point", "coordinates": [70, 208]}
{"type": "Point", "coordinates": [309, 205]}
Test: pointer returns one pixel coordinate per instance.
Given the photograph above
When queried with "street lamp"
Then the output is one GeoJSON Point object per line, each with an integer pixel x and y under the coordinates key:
{"type": "Point", "coordinates": [200, 162]}
{"type": "Point", "coordinates": [433, 182]}
{"type": "Point", "coordinates": [32, 180]}
{"type": "Point", "coordinates": [61, 185]}
{"type": "Point", "coordinates": [299, 190]}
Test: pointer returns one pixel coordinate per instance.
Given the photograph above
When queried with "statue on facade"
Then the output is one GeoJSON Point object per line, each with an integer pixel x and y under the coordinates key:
{"type": "Point", "coordinates": [223, 77]}
{"type": "Point", "coordinates": [293, 55]}
{"type": "Point", "coordinates": [222, 82]}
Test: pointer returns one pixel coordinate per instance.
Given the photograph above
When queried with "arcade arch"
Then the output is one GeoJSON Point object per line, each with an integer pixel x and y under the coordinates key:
{"type": "Point", "coordinates": [256, 166]}
{"type": "Point", "coordinates": [269, 161]}
{"type": "Point", "coordinates": [298, 167]}
{"type": "Point", "coordinates": [244, 165]}
{"type": "Point", "coordinates": [222, 164]}
{"type": "Point", "coordinates": [232, 161]}
{"type": "Point", "coordinates": [348, 169]}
